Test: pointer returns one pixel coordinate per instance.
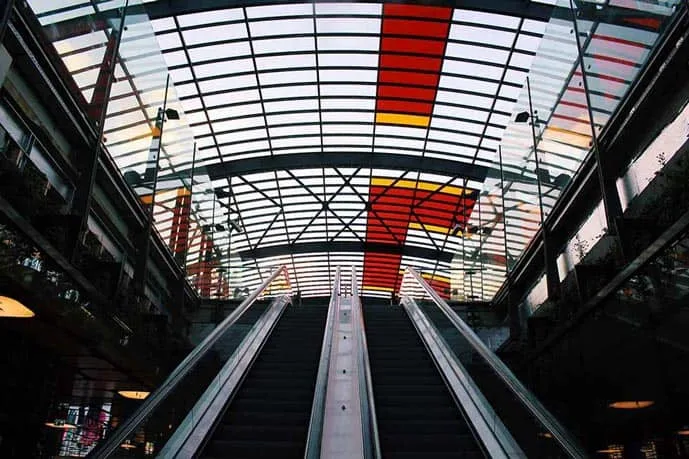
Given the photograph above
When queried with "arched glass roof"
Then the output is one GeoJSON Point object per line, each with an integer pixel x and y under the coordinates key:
{"type": "Point", "coordinates": [366, 134]}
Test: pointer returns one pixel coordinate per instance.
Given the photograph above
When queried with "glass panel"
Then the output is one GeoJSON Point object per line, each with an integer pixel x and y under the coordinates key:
{"type": "Point", "coordinates": [638, 402]}
{"type": "Point", "coordinates": [179, 409]}
{"type": "Point", "coordinates": [85, 38]}
{"type": "Point", "coordinates": [614, 52]}
{"type": "Point", "coordinates": [338, 79]}
{"type": "Point", "coordinates": [529, 433]}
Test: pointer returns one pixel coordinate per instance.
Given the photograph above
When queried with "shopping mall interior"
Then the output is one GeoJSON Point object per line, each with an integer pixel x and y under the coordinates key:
{"type": "Point", "coordinates": [410, 229]}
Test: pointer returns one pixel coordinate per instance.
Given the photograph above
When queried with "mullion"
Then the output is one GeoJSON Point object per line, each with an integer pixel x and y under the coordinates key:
{"type": "Point", "coordinates": [363, 52]}
{"type": "Point", "coordinates": [245, 233]}
{"type": "Point", "coordinates": [357, 16]}
{"type": "Point", "coordinates": [362, 111]}
{"type": "Point", "coordinates": [438, 190]}
{"type": "Point", "coordinates": [370, 202]}
{"type": "Point", "coordinates": [302, 136]}
{"type": "Point", "coordinates": [344, 122]}
{"type": "Point", "coordinates": [347, 181]}
{"type": "Point", "coordinates": [258, 190]}
{"type": "Point", "coordinates": [270, 225]}
{"type": "Point", "coordinates": [338, 83]}
{"type": "Point", "coordinates": [358, 123]}
{"type": "Point", "coordinates": [460, 92]}
{"type": "Point", "coordinates": [345, 67]}
{"type": "Point", "coordinates": [320, 114]}
{"type": "Point", "coordinates": [461, 202]}
{"type": "Point", "coordinates": [305, 227]}
{"type": "Point", "coordinates": [423, 154]}
{"type": "Point", "coordinates": [268, 137]}
{"type": "Point", "coordinates": [413, 214]}
{"type": "Point", "coordinates": [323, 203]}
{"type": "Point", "coordinates": [345, 35]}
{"type": "Point", "coordinates": [497, 91]}
{"type": "Point", "coordinates": [311, 124]}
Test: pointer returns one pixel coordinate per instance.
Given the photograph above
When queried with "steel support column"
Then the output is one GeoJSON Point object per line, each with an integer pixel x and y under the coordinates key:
{"type": "Point", "coordinates": [550, 265]}
{"type": "Point", "coordinates": [181, 257]}
{"type": "Point", "coordinates": [512, 306]}
{"type": "Point", "coordinates": [99, 99]}
{"type": "Point", "coordinates": [5, 19]}
{"type": "Point", "coordinates": [205, 271]}
{"type": "Point", "coordinates": [179, 232]}
{"type": "Point", "coordinates": [608, 191]}
{"type": "Point", "coordinates": [83, 196]}
{"type": "Point", "coordinates": [150, 176]}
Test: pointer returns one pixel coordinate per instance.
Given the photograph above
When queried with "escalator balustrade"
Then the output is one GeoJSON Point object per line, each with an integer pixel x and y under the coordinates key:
{"type": "Point", "coordinates": [417, 416]}
{"type": "Point", "coordinates": [269, 415]}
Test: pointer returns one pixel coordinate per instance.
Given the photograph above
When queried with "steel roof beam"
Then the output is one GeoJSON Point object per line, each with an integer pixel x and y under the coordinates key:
{"type": "Point", "coordinates": [520, 8]}
{"type": "Point", "coordinates": [345, 246]}
{"type": "Point", "coordinates": [167, 8]}
{"type": "Point", "coordinates": [351, 160]}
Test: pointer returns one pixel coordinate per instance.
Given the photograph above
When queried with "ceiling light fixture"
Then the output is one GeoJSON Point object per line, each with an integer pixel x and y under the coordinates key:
{"type": "Point", "coordinates": [522, 117]}
{"type": "Point", "coordinates": [60, 424]}
{"type": "Point", "coordinates": [611, 451]}
{"type": "Point", "coordinates": [631, 404]}
{"type": "Point", "coordinates": [172, 114]}
{"type": "Point", "coordinates": [127, 445]}
{"type": "Point", "coordinates": [134, 394]}
{"type": "Point", "coordinates": [10, 307]}
{"type": "Point", "coordinates": [234, 225]}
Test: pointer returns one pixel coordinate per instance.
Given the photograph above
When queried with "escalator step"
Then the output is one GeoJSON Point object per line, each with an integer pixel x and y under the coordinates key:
{"type": "Point", "coordinates": [435, 455]}
{"type": "Point", "coordinates": [254, 418]}
{"type": "Point", "coordinates": [255, 449]}
{"type": "Point", "coordinates": [269, 416]}
{"type": "Point", "coordinates": [282, 432]}
{"type": "Point", "coordinates": [417, 416]}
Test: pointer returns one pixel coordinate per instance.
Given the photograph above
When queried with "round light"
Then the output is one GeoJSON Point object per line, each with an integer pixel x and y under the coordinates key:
{"type": "Point", "coordinates": [10, 307]}
{"type": "Point", "coordinates": [127, 445]}
{"type": "Point", "coordinates": [60, 425]}
{"type": "Point", "coordinates": [610, 451]}
{"type": "Point", "coordinates": [134, 394]}
{"type": "Point", "coordinates": [631, 404]}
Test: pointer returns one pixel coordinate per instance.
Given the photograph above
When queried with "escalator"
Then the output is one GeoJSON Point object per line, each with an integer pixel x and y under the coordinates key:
{"type": "Point", "coordinates": [269, 416]}
{"type": "Point", "coordinates": [321, 381]}
{"type": "Point", "coordinates": [417, 416]}
{"type": "Point", "coordinates": [491, 388]}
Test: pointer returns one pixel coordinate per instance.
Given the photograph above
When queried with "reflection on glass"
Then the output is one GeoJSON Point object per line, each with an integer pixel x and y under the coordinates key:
{"type": "Point", "coordinates": [306, 81]}
{"type": "Point", "coordinates": [528, 431]}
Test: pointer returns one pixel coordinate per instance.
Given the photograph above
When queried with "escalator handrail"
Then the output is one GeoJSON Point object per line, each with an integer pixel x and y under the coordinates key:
{"type": "Point", "coordinates": [191, 435]}
{"type": "Point", "coordinates": [489, 431]}
{"type": "Point", "coordinates": [371, 439]}
{"type": "Point", "coordinates": [313, 440]}
{"type": "Point", "coordinates": [113, 441]}
{"type": "Point", "coordinates": [524, 395]}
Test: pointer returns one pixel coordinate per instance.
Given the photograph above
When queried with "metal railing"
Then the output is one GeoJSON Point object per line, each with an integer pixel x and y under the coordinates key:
{"type": "Point", "coordinates": [527, 399]}
{"type": "Point", "coordinates": [491, 433]}
{"type": "Point", "coordinates": [313, 440]}
{"type": "Point", "coordinates": [368, 407]}
{"type": "Point", "coordinates": [192, 433]}
{"type": "Point", "coordinates": [153, 401]}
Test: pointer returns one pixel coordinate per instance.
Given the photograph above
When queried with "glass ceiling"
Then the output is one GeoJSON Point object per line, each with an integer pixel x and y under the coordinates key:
{"type": "Point", "coordinates": [319, 135]}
